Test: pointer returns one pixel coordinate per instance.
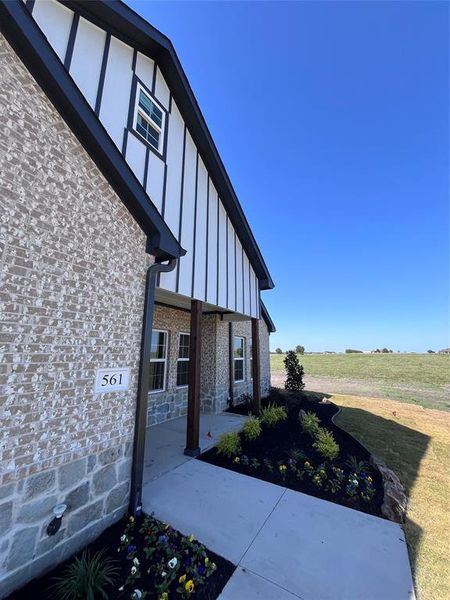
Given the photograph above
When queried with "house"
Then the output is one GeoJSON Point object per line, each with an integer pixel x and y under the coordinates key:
{"type": "Point", "coordinates": [130, 278]}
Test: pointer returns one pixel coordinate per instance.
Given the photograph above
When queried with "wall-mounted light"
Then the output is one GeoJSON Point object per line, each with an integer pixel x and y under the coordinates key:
{"type": "Point", "coordinates": [55, 524]}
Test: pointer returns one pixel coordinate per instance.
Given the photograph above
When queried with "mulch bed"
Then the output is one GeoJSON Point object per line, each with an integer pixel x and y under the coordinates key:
{"type": "Point", "coordinates": [170, 544]}
{"type": "Point", "coordinates": [276, 443]}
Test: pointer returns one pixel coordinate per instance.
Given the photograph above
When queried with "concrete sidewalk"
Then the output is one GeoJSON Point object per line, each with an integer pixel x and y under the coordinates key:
{"type": "Point", "coordinates": [287, 545]}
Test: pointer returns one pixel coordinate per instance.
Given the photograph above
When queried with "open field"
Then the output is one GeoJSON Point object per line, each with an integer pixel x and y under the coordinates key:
{"type": "Point", "coordinates": [422, 379]}
{"type": "Point", "coordinates": [415, 443]}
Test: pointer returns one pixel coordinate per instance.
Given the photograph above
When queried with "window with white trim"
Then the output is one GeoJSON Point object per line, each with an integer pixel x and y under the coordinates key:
{"type": "Point", "coordinates": [238, 357]}
{"type": "Point", "coordinates": [149, 119]}
{"type": "Point", "coordinates": [158, 361]}
{"type": "Point", "coordinates": [183, 360]}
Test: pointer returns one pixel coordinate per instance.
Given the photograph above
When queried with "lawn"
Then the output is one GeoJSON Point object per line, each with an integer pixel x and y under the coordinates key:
{"type": "Point", "coordinates": [415, 443]}
{"type": "Point", "coordinates": [422, 379]}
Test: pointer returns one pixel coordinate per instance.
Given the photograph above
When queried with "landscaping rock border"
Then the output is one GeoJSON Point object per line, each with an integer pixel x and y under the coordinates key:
{"type": "Point", "coordinates": [395, 501]}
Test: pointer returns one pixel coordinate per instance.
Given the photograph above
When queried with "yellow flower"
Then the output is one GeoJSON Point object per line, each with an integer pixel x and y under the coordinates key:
{"type": "Point", "coordinates": [369, 479]}
{"type": "Point", "coordinates": [237, 459]}
{"type": "Point", "coordinates": [307, 464]}
{"type": "Point", "coordinates": [206, 560]}
{"type": "Point", "coordinates": [189, 586]}
{"type": "Point", "coordinates": [182, 579]}
{"type": "Point", "coordinates": [131, 519]}
{"type": "Point", "coordinates": [164, 596]}
{"type": "Point", "coordinates": [282, 468]}
{"type": "Point", "coordinates": [191, 538]}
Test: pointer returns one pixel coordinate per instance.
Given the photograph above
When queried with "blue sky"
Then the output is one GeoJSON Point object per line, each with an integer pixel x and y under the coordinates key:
{"type": "Point", "coordinates": [332, 121]}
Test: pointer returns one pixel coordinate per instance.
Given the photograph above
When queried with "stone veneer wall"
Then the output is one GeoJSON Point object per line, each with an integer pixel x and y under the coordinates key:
{"type": "Point", "coordinates": [172, 402]}
{"type": "Point", "coordinates": [72, 288]}
{"type": "Point", "coordinates": [214, 377]}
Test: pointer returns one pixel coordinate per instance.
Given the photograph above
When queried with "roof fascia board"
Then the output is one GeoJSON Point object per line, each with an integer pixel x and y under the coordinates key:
{"type": "Point", "coordinates": [265, 315]}
{"type": "Point", "coordinates": [35, 52]}
{"type": "Point", "coordinates": [123, 22]}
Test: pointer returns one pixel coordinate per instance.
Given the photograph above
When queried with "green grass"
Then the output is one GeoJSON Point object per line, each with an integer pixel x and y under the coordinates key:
{"type": "Point", "coordinates": [415, 443]}
{"type": "Point", "coordinates": [433, 369]}
{"type": "Point", "coordinates": [422, 379]}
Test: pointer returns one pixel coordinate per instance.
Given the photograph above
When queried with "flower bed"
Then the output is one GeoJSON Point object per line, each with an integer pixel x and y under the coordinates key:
{"type": "Point", "coordinates": [149, 560]}
{"type": "Point", "coordinates": [305, 453]}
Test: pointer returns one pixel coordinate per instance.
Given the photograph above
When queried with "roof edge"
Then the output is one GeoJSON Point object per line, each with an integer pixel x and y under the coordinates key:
{"type": "Point", "coordinates": [135, 30]}
{"type": "Point", "coordinates": [33, 49]}
{"type": "Point", "coordinates": [265, 315]}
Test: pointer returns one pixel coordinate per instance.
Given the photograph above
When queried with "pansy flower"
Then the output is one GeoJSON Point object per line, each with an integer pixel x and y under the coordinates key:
{"type": "Point", "coordinates": [189, 586]}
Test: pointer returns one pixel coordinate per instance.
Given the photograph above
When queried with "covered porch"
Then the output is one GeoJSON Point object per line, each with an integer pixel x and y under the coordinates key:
{"type": "Point", "coordinates": [165, 443]}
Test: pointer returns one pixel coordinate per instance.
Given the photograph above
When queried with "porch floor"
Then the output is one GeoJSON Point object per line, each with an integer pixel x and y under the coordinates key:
{"type": "Point", "coordinates": [165, 442]}
{"type": "Point", "coordinates": [286, 545]}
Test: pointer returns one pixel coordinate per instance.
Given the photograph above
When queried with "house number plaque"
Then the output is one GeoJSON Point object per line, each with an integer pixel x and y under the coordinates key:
{"type": "Point", "coordinates": [115, 379]}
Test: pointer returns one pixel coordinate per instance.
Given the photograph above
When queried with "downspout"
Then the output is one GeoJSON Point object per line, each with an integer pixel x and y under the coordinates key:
{"type": "Point", "coordinates": [140, 427]}
{"type": "Point", "coordinates": [230, 366]}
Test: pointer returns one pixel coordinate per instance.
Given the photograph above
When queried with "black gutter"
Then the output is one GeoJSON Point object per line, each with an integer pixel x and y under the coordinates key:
{"type": "Point", "coordinates": [140, 428]}
{"type": "Point", "coordinates": [265, 315]}
{"type": "Point", "coordinates": [33, 49]}
{"type": "Point", "coordinates": [230, 365]}
{"type": "Point", "coordinates": [120, 20]}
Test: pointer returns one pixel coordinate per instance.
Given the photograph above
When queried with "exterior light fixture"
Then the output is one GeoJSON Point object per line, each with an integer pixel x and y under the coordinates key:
{"type": "Point", "coordinates": [55, 524]}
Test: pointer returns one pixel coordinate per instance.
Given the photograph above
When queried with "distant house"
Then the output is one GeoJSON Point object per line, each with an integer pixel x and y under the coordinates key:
{"type": "Point", "coordinates": [444, 351]}
{"type": "Point", "coordinates": [131, 279]}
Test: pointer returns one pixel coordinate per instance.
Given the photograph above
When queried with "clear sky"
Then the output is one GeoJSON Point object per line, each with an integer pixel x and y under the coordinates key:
{"type": "Point", "coordinates": [332, 121]}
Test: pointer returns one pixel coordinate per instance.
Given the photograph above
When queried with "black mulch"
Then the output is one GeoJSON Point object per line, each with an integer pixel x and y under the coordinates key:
{"type": "Point", "coordinates": [109, 540]}
{"type": "Point", "coordinates": [275, 444]}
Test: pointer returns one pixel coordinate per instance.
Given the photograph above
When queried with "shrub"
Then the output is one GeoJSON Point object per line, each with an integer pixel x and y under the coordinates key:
{"type": "Point", "coordinates": [357, 466]}
{"type": "Point", "coordinates": [294, 370]}
{"type": "Point", "coordinates": [352, 351]}
{"type": "Point", "coordinates": [278, 351]}
{"type": "Point", "coordinates": [272, 414]}
{"type": "Point", "coordinates": [310, 423]}
{"type": "Point", "coordinates": [86, 577]}
{"type": "Point", "coordinates": [300, 349]}
{"type": "Point", "coordinates": [229, 444]}
{"type": "Point", "coordinates": [325, 444]}
{"type": "Point", "coordinates": [251, 429]}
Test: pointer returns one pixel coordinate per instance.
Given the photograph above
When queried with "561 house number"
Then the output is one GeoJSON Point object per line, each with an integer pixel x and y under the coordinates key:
{"type": "Point", "coordinates": [111, 380]}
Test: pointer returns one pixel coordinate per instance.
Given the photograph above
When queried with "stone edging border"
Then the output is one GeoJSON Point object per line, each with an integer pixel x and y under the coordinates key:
{"type": "Point", "coordinates": [395, 501]}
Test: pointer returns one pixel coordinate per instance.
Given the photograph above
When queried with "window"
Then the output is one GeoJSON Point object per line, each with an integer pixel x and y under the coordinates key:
{"type": "Point", "coordinates": [183, 360]}
{"type": "Point", "coordinates": [149, 119]}
{"type": "Point", "coordinates": [158, 360]}
{"type": "Point", "coordinates": [238, 356]}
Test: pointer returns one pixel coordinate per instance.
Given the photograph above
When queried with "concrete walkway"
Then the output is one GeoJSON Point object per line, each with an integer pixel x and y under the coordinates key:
{"type": "Point", "coordinates": [165, 443]}
{"type": "Point", "coordinates": [287, 545]}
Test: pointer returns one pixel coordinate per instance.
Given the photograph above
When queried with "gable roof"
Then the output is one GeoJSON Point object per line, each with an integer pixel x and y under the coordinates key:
{"type": "Point", "coordinates": [33, 49]}
{"type": "Point", "coordinates": [121, 21]}
{"type": "Point", "coordinates": [265, 315]}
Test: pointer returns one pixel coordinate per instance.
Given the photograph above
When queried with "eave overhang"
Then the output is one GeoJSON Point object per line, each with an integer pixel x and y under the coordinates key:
{"type": "Point", "coordinates": [265, 315]}
{"type": "Point", "coordinates": [128, 26]}
{"type": "Point", "coordinates": [29, 43]}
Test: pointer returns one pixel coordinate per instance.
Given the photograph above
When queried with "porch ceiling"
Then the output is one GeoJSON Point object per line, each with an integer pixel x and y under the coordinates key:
{"type": "Point", "coordinates": [184, 302]}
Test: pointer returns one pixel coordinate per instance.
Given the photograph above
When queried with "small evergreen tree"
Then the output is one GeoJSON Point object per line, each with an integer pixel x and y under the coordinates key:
{"type": "Point", "coordinates": [300, 349]}
{"type": "Point", "coordinates": [295, 372]}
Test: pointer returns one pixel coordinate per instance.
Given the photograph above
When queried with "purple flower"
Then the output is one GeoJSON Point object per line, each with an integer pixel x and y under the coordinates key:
{"type": "Point", "coordinates": [187, 562]}
{"type": "Point", "coordinates": [131, 548]}
{"type": "Point", "coordinates": [162, 539]}
{"type": "Point", "coordinates": [201, 570]}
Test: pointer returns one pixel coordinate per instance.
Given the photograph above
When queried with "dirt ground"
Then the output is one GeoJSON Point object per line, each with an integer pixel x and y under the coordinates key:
{"type": "Point", "coordinates": [376, 389]}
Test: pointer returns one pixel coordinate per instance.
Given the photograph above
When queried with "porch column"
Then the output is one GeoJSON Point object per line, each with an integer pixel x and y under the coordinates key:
{"type": "Point", "coordinates": [193, 411]}
{"type": "Point", "coordinates": [256, 370]}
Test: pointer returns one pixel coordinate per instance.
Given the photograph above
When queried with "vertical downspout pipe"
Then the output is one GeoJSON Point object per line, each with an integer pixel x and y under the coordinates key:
{"type": "Point", "coordinates": [140, 427]}
{"type": "Point", "coordinates": [230, 365]}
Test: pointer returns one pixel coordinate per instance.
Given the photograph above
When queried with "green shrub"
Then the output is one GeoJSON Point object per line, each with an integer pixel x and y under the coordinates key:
{"type": "Point", "coordinates": [251, 429]}
{"type": "Point", "coordinates": [310, 423]}
{"type": "Point", "coordinates": [325, 444]}
{"type": "Point", "coordinates": [229, 444]}
{"type": "Point", "coordinates": [294, 371]}
{"type": "Point", "coordinates": [272, 414]}
{"type": "Point", "coordinates": [357, 466]}
{"type": "Point", "coordinates": [86, 578]}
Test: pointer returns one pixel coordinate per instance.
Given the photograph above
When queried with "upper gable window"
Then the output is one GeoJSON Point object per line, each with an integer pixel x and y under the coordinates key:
{"type": "Point", "coordinates": [149, 119]}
